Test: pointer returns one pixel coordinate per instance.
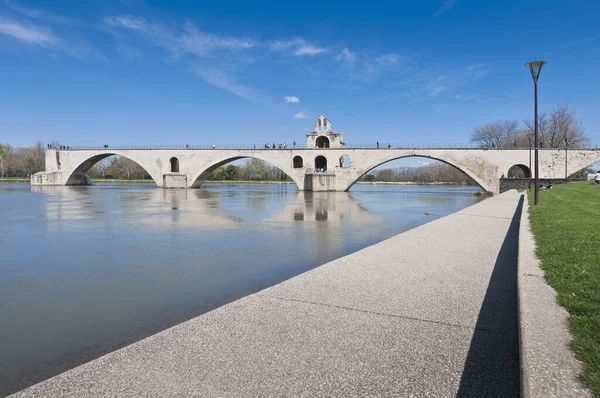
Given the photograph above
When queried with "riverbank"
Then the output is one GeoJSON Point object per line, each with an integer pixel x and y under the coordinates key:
{"type": "Point", "coordinates": [389, 320]}
{"type": "Point", "coordinates": [412, 183]}
{"type": "Point", "coordinates": [566, 225]}
{"type": "Point", "coordinates": [138, 181]}
{"type": "Point", "coordinates": [13, 179]}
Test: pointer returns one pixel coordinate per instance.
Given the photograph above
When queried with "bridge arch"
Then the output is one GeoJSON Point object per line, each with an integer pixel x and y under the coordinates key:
{"type": "Point", "coordinates": [199, 177]}
{"type": "Point", "coordinates": [364, 170]}
{"type": "Point", "coordinates": [76, 176]}
{"type": "Point", "coordinates": [518, 171]}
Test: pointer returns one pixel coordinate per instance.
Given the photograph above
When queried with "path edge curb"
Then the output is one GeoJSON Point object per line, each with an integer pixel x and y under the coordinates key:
{"type": "Point", "coordinates": [547, 364]}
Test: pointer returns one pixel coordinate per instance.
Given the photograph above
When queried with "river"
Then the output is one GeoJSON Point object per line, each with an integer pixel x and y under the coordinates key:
{"type": "Point", "coordinates": [86, 270]}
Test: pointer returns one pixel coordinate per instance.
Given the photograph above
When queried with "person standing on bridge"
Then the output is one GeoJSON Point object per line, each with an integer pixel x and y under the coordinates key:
{"type": "Point", "coordinates": [377, 143]}
{"type": "Point", "coordinates": [294, 144]}
{"type": "Point", "coordinates": [213, 145]}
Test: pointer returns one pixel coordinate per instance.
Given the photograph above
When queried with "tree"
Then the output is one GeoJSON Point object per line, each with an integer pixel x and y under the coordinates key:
{"type": "Point", "coordinates": [217, 175]}
{"type": "Point", "coordinates": [231, 172]}
{"type": "Point", "coordinates": [501, 134]}
{"type": "Point", "coordinates": [370, 177]}
{"type": "Point", "coordinates": [2, 160]}
{"type": "Point", "coordinates": [124, 168]}
{"type": "Point", "coordinates": [558, 128]}
{"type": "Point", "coordinates": [257, 169]}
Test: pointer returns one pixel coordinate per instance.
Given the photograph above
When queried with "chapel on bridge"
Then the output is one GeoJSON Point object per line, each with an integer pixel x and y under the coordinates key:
{"type": "Point", "coordinates": [323, 136]}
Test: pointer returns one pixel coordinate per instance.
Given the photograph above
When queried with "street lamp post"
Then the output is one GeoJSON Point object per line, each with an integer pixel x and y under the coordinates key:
{"type": "Point", "coordinates": [566, 158]}
{"type": "Point", "coordinates": [535, 67]}
{"type": "Point", "coordinates": [530, 137]}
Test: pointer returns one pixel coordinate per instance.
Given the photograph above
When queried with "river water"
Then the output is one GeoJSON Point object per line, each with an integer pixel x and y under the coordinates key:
{"type": "Point", "coordinates": [86, 270]}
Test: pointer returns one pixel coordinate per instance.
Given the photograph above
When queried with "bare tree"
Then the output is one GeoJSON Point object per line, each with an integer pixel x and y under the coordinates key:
{"type": "Point", "coordinates": [501, 134]}
{"type": "Point", "coordinates": [2, 157]}
{"type": "Point", "coordinates": [559, 128]}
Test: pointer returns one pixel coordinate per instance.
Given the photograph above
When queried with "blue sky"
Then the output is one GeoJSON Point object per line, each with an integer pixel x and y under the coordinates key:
{"type": "Point", "coordinates": [197, 72]}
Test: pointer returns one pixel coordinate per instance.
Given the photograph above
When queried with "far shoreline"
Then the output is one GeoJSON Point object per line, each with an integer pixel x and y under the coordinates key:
{"type": "Point", "coordinates": [119, 181]}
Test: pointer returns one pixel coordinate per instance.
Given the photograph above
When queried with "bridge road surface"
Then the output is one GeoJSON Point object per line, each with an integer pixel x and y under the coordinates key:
{"type": "Point", "coordinates": [431, 312]}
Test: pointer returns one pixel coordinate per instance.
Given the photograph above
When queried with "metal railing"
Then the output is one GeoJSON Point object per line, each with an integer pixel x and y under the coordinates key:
{"type": "Point", "coordinates": [291, 147]}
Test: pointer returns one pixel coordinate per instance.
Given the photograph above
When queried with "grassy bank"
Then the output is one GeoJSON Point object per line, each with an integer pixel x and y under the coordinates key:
{"type": "Point", "coordinates": [566, 226]}
{"type": "Point", "coordinates": [14, 179]}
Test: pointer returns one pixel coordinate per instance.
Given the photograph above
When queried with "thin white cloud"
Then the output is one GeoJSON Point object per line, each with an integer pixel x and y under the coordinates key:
{"type": "Point", "coordinates": [42, 15]}
{"type": "Point", "coordinates": [439, 85]}
{"type": "Point", "coordinates": [281, 45]}
{"type": "Point", "coordinates": [190, 41]}
{"type": "Point", "coordinates": [292, 99]}
{"type": "Point", "coordinates": [346, 56]}
{"type": "Point", "coordinates": [387, 59]}
{"type": "Point", "coordinates": [448, 4]}
{"type": "Point", "coordinates": [371, 67]}
{"type": "Point", "coordinates": [128, 22]}
{"type": "Point", "coordinates": [301, 115]}
{"type": "Point", "coordinates": [200, 43]}
{"type": "Point", "coordinates": [30, 34]}
{"type": "Point", "coordinates": [454, 79]}
{"type": "Point", "coordinates": [307, 49]}
{"type": "Point", "coordinates": [219, 79]}
{"type": "Point", "coordinates": [43, 35]}
{"type": "Point", "coordinates": [482, 99]}
{"type": "Point", "coordinates": [297, 46]}
{"type": "Point", "coordinates": [474, 67]}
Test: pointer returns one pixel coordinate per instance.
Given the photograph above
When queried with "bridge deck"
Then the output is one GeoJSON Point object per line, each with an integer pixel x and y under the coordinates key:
{"type": "Point", "coordinates": [431, 312]}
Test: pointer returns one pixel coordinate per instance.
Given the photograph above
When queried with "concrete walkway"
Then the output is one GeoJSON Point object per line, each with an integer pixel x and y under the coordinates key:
{"type": "Point", "coordinates": [430, 312]}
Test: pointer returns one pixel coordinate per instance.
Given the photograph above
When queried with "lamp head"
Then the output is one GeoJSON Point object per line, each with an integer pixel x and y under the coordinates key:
{"type": "Point", "coordinates": [535, 67]}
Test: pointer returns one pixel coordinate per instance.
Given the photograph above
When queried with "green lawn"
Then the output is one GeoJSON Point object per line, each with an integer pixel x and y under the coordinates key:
{"type": "Point", "coordinates": [566, 226]}
{"type": "Point", "coordinates": [14, 179]}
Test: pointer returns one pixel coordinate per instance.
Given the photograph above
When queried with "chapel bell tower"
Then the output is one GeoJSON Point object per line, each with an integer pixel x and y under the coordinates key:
{"type": "Point", "coordinates": [323, 136]}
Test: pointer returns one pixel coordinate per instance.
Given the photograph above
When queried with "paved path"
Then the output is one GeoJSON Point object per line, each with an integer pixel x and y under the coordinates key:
{"type": "Point", "coordinates": [430, 312]}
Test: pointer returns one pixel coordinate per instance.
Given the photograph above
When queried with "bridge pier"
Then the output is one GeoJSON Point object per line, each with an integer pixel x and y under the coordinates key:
{"type": "Point", "coordinates": [47, 178]}
{"type": "Point", "coordinates": [320, 182]}
{"type": "Point", "coordinates": [175, 180]}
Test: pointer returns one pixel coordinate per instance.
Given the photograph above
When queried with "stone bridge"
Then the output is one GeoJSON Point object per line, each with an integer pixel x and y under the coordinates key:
{"type": "Point", "coordinates": [338, 168]}
{"type": "Point", "coordinates": [326, 164]}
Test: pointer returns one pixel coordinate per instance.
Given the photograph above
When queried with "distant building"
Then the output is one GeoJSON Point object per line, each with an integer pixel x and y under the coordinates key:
{"type": "Point", "coordinates": [323, 136]}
